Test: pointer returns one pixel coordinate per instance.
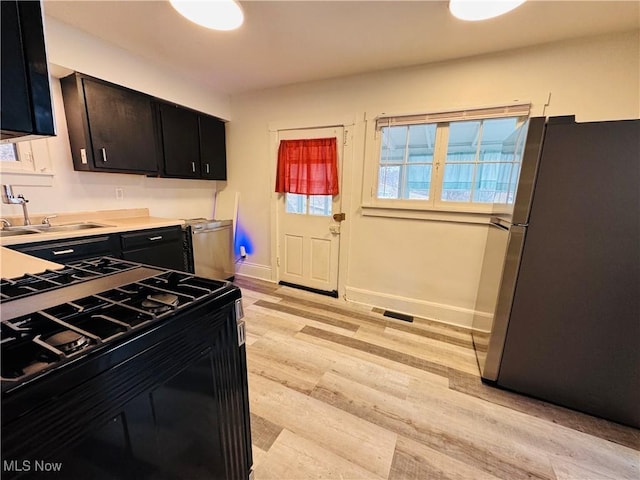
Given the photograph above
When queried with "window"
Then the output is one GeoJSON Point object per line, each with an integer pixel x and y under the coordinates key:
{"type": "Point", "coordinates": [26, 163]}
{"type": "Point", "coordinates": [468, 160]}
{"type": "Point", "coordinates": [8, 152]}
{"type": "Point", "coordinates": [319, 205]}
{"type": "Point", "coordinates": [483, 160]}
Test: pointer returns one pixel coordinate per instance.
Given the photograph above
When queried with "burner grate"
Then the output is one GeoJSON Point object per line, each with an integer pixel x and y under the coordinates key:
{"type": "Point", "coordinates": [98, 301]}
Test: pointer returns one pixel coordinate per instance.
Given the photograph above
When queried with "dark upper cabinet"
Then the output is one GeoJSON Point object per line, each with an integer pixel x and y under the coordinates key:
{"type": "Point", "coordinates": [192, 144]}
{"type": "Point", "coordinates": [213, 155]}
{"type": "Point", "coordinates": [26, 111]}
{"type": "Point", "coordinates": [111, 128]}
{"type": "Point", "coordinates": [179, 139]}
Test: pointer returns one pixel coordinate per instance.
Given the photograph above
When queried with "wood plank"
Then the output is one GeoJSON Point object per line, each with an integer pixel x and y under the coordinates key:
{"type": "Point", "coordinates": [347, 436]}
{"type": "Point", "coordinates": [294, 457]}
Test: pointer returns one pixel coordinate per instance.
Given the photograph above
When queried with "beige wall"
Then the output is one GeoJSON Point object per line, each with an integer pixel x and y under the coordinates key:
{"type": "Point", "coordinates": [421, 267]}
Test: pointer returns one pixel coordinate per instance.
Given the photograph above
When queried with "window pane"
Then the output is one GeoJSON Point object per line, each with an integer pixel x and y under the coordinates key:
{"type": "Point", "coordinates": [499, 140]}
{"type": "Point", "coordinates": [422, 139]}
{"type": "Point", "coordinates": [456, 185]}
{"type": "Point", "coordinates": [389, 182]}
{"type": "Point", "coordinates": [8, 152]}
{"type": "Point", "coordinates": [394, 142]}
{"type": "Point", "coordinates": [418, 182]}
{"type": "Point", "coordinates": [492, 183]}
{"type": "Point", "coordinates": [296, 203]}
{"type": "Point", "coordinates": [320, 205]}
{"type": "Point", "coordinates": [463, 141]}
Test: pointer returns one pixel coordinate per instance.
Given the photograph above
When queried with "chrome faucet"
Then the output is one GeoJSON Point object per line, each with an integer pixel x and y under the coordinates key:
{"type": "Point", "coordinates": [9, 197]}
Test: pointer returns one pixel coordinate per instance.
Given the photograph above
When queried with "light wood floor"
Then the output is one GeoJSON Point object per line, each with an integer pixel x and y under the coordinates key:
{"type": "Point", "coordinates": [338, 391]}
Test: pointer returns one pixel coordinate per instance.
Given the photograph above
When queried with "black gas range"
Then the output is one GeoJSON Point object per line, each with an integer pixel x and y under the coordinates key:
{"type": "Point", "coordinates": [145, 365]}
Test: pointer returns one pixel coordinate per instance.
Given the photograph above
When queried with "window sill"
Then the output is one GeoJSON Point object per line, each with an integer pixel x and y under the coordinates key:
{"type": "Point", "coordinates": [479, 214]}
{"type": "Point", "coordinates": [26, 178]}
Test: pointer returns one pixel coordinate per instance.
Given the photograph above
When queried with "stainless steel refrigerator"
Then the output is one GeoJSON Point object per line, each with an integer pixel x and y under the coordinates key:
{"type": "Point", "coordinates": [564, 325]}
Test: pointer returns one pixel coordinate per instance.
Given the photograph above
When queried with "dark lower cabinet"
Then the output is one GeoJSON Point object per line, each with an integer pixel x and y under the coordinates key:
{"type": "Point", "coordinates": [64, 251]}
{"type": "Point", "coordinates": [162, 247]}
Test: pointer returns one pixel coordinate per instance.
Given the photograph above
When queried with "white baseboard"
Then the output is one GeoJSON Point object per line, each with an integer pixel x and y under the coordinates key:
{"type": "Point", "coordinates": [449, 314]}
{"type": "Point", "coordinates": [254, 270]}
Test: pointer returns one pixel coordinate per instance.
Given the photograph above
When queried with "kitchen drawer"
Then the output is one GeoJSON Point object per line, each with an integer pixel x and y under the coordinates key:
{"type": "Point", "coordinates": [63, 251]}
{"type": "Point", "coordinates": [148, 238]}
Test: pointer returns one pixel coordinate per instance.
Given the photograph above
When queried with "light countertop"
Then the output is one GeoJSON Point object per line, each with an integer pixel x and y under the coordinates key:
{"type": "Point", "coordinates": [14, 264]}
{"type": "Point", "coordinates": [113, 221]}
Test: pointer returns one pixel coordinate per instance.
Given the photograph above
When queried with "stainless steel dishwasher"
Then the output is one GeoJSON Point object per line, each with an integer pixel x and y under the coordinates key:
{"type": "Point", "coordinates": [209, 248]}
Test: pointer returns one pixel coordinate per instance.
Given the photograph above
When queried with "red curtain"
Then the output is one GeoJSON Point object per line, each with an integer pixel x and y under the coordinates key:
{"type": "Point", "coordinates": [308, 167]}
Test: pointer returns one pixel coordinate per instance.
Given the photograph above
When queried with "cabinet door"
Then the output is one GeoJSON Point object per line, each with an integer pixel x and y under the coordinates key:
{"type": "Point", "coordinates": [63, 251]}
{"type": "Point", "coordinates": [180, 141]}
{"type": "Point", "coordinates": [213, 155]}
{"type": "Point", "coordinates": [121, 126]}
{"type": "Point", "coordinates": [161, 247]}
{"type": "Point", "coordinates": [16, 116]}
{"type": "Point", "coordinates": [165, 255]}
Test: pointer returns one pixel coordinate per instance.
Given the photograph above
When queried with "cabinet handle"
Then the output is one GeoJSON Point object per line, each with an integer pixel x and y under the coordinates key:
{"type": "Point", "coordinates": [103, 151]}
{"type": "Point", "coordinates": [62, 252]}
{"type": "Point", "coordinates": [207, 165]}
{"type": "Point", "coordinates": [193, 166]}
{"type": "Point", "coordinates": [152, 239]}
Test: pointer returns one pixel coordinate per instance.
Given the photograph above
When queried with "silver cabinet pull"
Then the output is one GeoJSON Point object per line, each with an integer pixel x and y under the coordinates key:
{"type": "Point", "coordinates": [62, 252]}
{"type": "Point", "coordinates": [103, 152]}
{"type": "Point", "coordinates": [193, 166]}
{"type": "Point", "coordinates": [152, 239]}
{"type": "Point", "coordinates": [207, 165]}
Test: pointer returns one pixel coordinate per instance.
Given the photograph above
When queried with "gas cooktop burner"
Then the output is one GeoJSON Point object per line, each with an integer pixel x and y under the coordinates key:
{"type": "Point", "coordinates": [68, 341]}
{"type": "Point", "coordinates": [160, 302]}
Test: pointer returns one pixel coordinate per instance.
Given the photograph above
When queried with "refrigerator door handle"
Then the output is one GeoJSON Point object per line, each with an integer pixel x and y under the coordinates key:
{"type": "Point", "coordinates": [504, 302]}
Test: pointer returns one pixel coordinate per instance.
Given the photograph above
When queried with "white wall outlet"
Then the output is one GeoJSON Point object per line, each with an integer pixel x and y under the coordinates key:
{"type": "Point", "coordinates": [243, 252]}
{"type": "Point", "coordinates": [119, 193]}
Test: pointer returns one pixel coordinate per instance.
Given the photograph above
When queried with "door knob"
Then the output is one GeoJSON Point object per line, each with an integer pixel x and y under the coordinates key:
{"type": "Point", "coordinates": [339, 217]}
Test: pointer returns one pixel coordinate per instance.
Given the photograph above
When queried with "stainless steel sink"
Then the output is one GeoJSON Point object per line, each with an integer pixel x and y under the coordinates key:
{"type": "Point", "coordinates": [13, 233]}
{"type": "Point", "coordinates": [30, 229]}
{"type": "Point", "coordinates": [71, 227]}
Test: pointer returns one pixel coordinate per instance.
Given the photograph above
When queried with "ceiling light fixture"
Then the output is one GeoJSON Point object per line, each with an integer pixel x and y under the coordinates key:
{"type": "Point", "coordinates": [213, 14]}
{"type": "Point", "coordinates": [473, 10]}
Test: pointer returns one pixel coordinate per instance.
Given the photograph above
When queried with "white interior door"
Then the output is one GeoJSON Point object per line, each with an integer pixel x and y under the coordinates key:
{"type": "Point", "coordinates": [308, 235]}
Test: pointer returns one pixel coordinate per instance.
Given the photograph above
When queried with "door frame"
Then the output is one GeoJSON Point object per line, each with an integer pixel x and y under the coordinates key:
{"type": "Point", "coordinates": [348, 124]}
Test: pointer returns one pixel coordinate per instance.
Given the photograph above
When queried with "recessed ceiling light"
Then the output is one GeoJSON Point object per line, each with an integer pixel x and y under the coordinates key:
{"type": "Point", "coordinates": [214, 14]}
{"type": "Point", "coordinates": [474, 10]}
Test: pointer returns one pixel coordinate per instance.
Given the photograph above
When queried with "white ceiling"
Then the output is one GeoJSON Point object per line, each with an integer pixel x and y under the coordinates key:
{"type": "Point", "coordinates": [285, 42]}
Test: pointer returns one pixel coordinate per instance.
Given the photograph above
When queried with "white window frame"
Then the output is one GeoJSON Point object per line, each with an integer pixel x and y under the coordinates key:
{"type": "Point", "coordinates": [433, 208]}
{"type": "Point", "coordinates": [33, 166]}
